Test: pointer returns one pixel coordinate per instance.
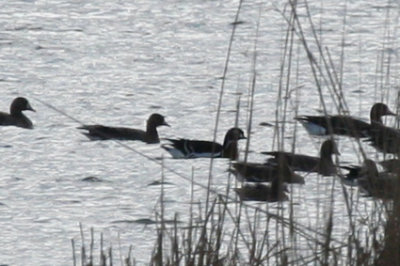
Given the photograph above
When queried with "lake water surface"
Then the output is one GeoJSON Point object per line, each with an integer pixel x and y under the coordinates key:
{"type": "Point", "coordinates": [116, 62]}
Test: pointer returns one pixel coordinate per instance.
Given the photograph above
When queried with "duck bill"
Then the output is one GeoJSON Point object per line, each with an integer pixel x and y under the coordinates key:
{"type": "Point", "coordinates": [29, 107]}
{"type": "Point", "coordinates": [390, 113]}
{"type": "Point", "coordinates": [166, 124]}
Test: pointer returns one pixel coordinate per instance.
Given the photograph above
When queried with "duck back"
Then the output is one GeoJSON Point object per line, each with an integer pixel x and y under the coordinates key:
{"type": "Point", "coordinates": [18, 120]}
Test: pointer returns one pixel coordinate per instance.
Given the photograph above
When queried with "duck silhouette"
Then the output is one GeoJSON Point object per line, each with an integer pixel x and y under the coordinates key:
{"type": "Point", "coordinates": [16, 117]}
{"type": "Point", "coordinates": [150, 135]}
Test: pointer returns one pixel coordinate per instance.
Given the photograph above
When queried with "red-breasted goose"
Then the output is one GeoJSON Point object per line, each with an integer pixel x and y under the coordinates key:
{"type": "Point", "coordinates": [188, 149]}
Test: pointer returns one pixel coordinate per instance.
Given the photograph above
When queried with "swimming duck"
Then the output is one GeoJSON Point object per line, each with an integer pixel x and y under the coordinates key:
{"type": "Point", "coordinates": [260, 192]}
{"type": "Point", "coordinates": [16, 117]}
{"type": "Point", "coordinates": [382, 185]}
{"type": "Point", "coordinates": [343, 124]}
{"type": "Point", "coordinates": [385, 139]}
{"type": "Point", "coordinates": [298, 162]}
{"type": "Point", "coordinates": [265, 172]}
{"type": "Point", "coordinates": [150, 136]}
{"type": "Point", "coordinates": [187, 149]}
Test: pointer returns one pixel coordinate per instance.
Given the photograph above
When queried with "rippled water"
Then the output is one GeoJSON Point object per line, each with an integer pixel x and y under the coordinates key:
{"type": "Point", "coordinates": [119, 61]}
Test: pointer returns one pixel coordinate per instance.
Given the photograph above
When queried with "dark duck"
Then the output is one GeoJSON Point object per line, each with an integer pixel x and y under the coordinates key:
{"type": "Point", "coordinates": [150, 135]}
{"type": "Point", "coordinates": [298, 162]}
{"type": "Point", "coordinates": [343, 124]}
{"type": "Point", "coordinates": [16, 117]}
{"type": "Point", "coordinates": [188, 148]}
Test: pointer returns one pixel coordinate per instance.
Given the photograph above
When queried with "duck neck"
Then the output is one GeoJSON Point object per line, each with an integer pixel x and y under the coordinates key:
{"type": "Point", "coordinates": [151, 132]}
{"type": "Point", "coordinates": [373, 176]}
{"type": "Point", "coordinates": [325, 164]}
{"type": "Point", "coordinates": [230, 150]}
{"type": "Point", "coordinates": [15, 111]}
{"type": "Point", "coordinates": [284, 171]}
{"type": "Point", "coordinates": [326, 157]}
{"type": "Point", "coordinates": [375, 116]}
{"type": "Point", "coordinates": [276, 187]}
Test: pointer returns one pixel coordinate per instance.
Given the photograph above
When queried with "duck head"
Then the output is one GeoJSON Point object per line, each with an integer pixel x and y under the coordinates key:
{"type": "Point", "coordinates": [20, 104]}
{"type": "Point", "coordinates": [157, 120]}
{"type": "Point", "coordinates": [378, 110]}
{"type": "Point", "coordinates": [328, 148]}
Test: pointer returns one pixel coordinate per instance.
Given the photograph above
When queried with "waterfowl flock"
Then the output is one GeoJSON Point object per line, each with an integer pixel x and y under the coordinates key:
{"type": "Point", "coordinates": [281, 167]}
